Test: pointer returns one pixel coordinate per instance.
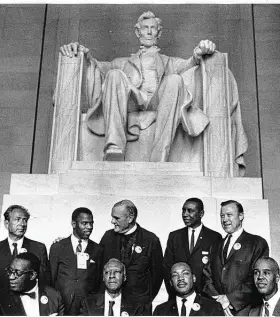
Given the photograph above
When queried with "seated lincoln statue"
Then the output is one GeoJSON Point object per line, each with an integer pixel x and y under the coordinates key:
{"type": "Point", "coordinates": [130, 94]}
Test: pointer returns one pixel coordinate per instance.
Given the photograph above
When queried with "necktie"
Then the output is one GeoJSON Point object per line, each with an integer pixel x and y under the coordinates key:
{"type": "Point", "coordinates": [225, 250]}
{"type": "Point", "coordinates": [183, 308]}
{"type": "Point", "coordinates": [111, 304]}
{"type": "Point", "coordinates": [15, 251]}
{"type": "Point", "coordinates": [266, 309]}
{"type": "Point", "coordinates": [192, 241]}
{"type": "Point", "coordinates": [31, 294]}
{"type": "Point", "coordinates": [79, 246]}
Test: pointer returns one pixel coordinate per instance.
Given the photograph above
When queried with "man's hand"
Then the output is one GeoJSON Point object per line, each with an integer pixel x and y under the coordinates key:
{"type": "Point", "coordinates": [204, 47]}
{"type": "Point", "coordinates": [72, 49]}
{"type": "Point", "coordinates": [223, 300]}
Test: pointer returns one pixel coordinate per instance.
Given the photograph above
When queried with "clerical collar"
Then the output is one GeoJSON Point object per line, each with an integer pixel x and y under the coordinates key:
{"type": "Point", "coordinates": [133, 229]}
{"type": "Point", "coordinates": [152, 49]}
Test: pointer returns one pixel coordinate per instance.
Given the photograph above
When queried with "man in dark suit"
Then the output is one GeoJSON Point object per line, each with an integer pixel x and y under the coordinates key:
{"type": "Point", "coordinates": [186, 301]}
{"type": "Point", "coordinates": [190, 244]}
{"type": "Point", "coordinates": [76, 262]}
{"type": "Point", "coordinates": [25, 295]}
{"type": "Point", "coordinates": [266, 278]}
{"type": "Point", "coordinates": [229, 273]}
{"type": "Point", "coordinates": [112, 302]}
{"type": "Point", "coordinates": [16, 219]}
{"type": "Point", "coordinates": [139, 249]}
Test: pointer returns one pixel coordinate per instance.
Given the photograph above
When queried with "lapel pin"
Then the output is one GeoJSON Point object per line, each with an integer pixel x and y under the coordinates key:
{"type": "Point", "coordinates": [205, 260]}
{"type": "Point", "coordinates": [44, 299]}
{"type": "Point", "coordinates": [138, 249]}
{"type": "Point", "coordinates": [196, 307]}
{"type": "Point", "coordinates": [22, 250]}
{"type": "Point", "coordinates": [237, 246]}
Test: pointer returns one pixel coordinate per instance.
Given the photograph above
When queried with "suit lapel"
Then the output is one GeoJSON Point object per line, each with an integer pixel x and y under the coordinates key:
{"type": "Point", "coordinates": [239, 240]}
{"type": "Point", "coordinates": [98, 310]}
{"type": "Point", "coordinates": [7, 250]}
{"type": "Point", "coordinates": [185, 242]}
{"type": "Point", "coordinates": [25, 244]}
{"type": "Point", "coordinates": [161, 65]}
{"type": "Point", "coordinates": [197, 300]}
{"type": "Point", "coordinates": [17, 305]}
{"type": "Point", "coordinates": [139, 242]}
{"type": "Point", "coordinates": [199, 240]}
{"type": "Point", "coordinates": [135, 60]}
{"type": "Point", "coordinates": [276, 311]}
{"type": "Point", "coordinates": [44, 307]}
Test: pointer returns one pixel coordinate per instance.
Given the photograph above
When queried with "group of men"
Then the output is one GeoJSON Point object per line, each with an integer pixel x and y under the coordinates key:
{"type": "Point", "coordinates": [204, 274]}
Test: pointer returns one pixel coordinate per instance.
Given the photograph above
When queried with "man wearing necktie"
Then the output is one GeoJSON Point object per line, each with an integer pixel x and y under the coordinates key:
{"type": "Point", "coordinates": [186, 301]}
{"type": "Point", "coordinates": [76, 262]}
{"type": "Point", "coordinates": [112, 301]}
{"type": "Point", "coordinates": [16, 220]}
{"type": "Point", "coordinates": [266, 278]}
{"type": "Point", "coordinates": [130, 93]}
{"type": "Point", "coordinates": [139, 249]}
{"type": "Point", "coordinates": [229, 273]}
{"type": "Point", "coordinates": [190, 244]}
{"type": "Point", "coordinates": [26, 295]}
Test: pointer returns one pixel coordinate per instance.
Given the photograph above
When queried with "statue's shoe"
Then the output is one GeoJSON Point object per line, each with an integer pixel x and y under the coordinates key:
{"type": "Point", "coordinates": [113, 153]}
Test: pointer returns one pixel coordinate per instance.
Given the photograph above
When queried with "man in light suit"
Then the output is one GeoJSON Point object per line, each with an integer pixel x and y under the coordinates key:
{"type": "Point", "coordinates": [26, 296]}
{"type": "Point", "coordinates": [139, 249]}
{"type": "Point", "coordinates": [16, 219]}
{"type": "Point", "coordinates": [229, 273]}
{"type": "Point", "coordinates": [266, 278]}
{"type": "Point", "coordinates": [186, 301]}
{"type": "Point", "coordinates": [123, 93]}
{"type": "Point", "coordinates": [190, 244]}
{"type": "Point", "coordinates": [76, 262]}
{"type": "Point", "coordinates": [112, 302]}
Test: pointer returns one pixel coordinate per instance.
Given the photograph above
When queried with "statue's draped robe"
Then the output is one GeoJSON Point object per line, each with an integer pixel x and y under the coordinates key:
{"type": "Point", "coordinates": [190, 116]}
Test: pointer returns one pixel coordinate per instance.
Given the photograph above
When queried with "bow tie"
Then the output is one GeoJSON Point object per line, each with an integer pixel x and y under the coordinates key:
{"type": "Point", "coordinates": [153, 49]}
{"type": "Point", "coordinates": [31, 294]}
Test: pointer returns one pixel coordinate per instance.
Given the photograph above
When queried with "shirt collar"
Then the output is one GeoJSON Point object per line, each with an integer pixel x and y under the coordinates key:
{"type": "Point", "coordinates": [197, 229]}
{"type": "Point", "coordinates": [190, 299]}
{"type": "Point", "coordinates": [109, 297]}
{"type": "Point", "coordinates": [152, 49]}
{"type": "Point", "coordinates": [76, 240]}
{"type": "Point", "coordinates": [131, 230]}
{"type": "Point", "coordinates": [237, 233]}
{"type": "Point", "coordinates": [273, 300]}
{"type": "Point", "coordinates": [18, 242]}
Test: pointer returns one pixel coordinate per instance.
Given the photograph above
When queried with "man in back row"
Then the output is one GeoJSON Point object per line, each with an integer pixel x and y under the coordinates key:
{"type": "Point", "coordinates": [190, 244]}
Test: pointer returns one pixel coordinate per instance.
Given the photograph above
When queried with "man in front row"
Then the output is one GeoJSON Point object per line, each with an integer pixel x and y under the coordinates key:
{"type": "Point", "coordinates": [26, 295]}
{"type": "Point", "coordinates": [187, 302]}
{"type": "Point", "coordinates": [229, 273]}
{"type": "Point", "coordinates": [113, 302]}
{"type": "Point", "coordinates": [266, 278]}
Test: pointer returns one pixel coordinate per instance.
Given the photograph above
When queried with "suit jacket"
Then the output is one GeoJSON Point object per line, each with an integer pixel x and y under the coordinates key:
{"type": "Point", "coordinates": [94, 306]}
{"type": "Point", "coordinates": [257, 310]}
{"type": "Point", "coordinates": [11, 304]}
{"type": "Point", "coordinates": [144, 270]}
{"type": "Point", "coordinates": [74, 284]}
{"type": "Point", "coordinates": [37, 248]}
{"type": "Point", "coordinates": [208, 307]}
{"type": "Point", "coordinates": [177, 250]}
{"type": "Point", "coordinates": [235, 277]}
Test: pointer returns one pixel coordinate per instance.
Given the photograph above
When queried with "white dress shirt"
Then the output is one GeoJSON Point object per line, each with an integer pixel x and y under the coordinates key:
{"type": "Point", "coordinates": [272, 302]}
{"type": "Point", "coordinates": [189, 303]}
{"type": "Point", "coordinates": [31, 306]}
{"type": "Point", "coordinates": [117, 305]}
{"type": "Point", "coordinates": [196, 234]}
{"type": "Point", "coordinates": [75, 242]}
{"type": "Point", "coordinates": [18, 242]}
{"type": "Point", "coordinates": [234, 236]}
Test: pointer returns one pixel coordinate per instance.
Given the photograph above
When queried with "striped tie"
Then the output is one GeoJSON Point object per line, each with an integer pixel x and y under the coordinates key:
{"type": "Point", "coordinates": [79, 246]}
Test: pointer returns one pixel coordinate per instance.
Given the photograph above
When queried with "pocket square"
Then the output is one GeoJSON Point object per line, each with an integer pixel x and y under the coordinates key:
{"type": "Point", "coordinates": [54, 314]}
{"type": "Point", "coordinates": [91, 261]}
{"type": "Point", "coordinates": [205, 252]}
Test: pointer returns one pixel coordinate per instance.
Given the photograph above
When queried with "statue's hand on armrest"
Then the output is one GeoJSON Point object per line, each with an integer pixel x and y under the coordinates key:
{"type": "Point", "coordinates": [204, 47]}
{"type": "Point", "coordinates": [73, 48]}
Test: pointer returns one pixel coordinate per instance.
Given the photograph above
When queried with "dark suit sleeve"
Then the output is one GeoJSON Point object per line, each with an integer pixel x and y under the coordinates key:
{"type": "Point", "coordinates": [156, 267]}
{"type": "Point", "coordinates": [156, 311]}
{"type": "Point", "coordinates": [168, 261]}
{"type": "Point", "coordinates": [45, 273]}
{"type": "Point", "coordinates": [209, 287]}
{"type": "Point", "coordinates": [61, 308]}
{"type": "Point", "coordinates": [54, 262]}
{"type": "Point", "coordinates": [242, 294]}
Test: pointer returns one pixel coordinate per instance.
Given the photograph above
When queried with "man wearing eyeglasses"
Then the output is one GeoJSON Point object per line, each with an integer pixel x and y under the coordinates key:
{"type": "Point", "coordinates": [25, 296]}
{"type": "Point", "coordinates": [16, 219]}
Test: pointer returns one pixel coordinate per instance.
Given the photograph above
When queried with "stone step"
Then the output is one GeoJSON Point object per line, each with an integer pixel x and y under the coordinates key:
{"type": "Point", "coordinates": [128, 184]}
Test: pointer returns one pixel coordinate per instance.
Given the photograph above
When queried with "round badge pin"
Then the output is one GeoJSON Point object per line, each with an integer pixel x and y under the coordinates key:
{"type": "Point", "coordinates": [196, 306]}
{"type": "Point", "coordinates": [44, 299]}
{"type": "Point", "coordinates": [205, 260]}
{"type": "Point", "coordinates": [23, 250]}
{"type": "Point", "coordinates": [124, 313]}
{"type": "Point", "coordinates": [237, 246]}
{"type": "Point", "coordinates": [138, 249]}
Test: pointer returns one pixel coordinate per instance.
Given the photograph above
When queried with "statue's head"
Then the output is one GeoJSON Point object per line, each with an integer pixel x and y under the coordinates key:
{"type": "Point", "coordinates": [148, 29]}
